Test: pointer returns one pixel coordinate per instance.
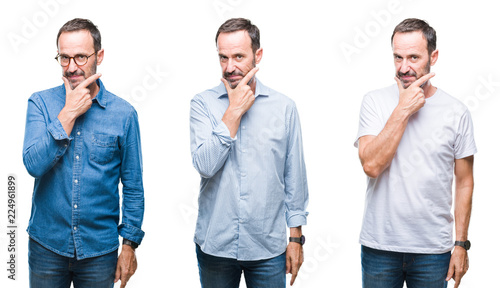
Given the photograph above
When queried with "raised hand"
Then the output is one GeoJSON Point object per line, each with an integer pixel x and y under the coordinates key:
{"type": "Point", "coordinates": [78, 100]}
{"type": "Point", "coordinates": [241, 98]}
{"type": "Point", "coordinates": [412, 98]}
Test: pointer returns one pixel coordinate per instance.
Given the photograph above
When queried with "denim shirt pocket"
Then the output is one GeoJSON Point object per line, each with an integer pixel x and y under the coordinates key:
{"type": "Point", "coordinates": [103, 147]}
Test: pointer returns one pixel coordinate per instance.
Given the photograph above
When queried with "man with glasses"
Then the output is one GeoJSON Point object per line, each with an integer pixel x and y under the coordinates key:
{"type": "Point", "coordinates": [80, 141]}
{"type": "Point", "coordinates": [246, 144]}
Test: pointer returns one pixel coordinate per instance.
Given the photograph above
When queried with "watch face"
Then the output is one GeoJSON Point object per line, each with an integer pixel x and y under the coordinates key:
{"type": "Point", "coordinates": [467, 245]}
{"type": "Point", "coordinates": [303, 239]}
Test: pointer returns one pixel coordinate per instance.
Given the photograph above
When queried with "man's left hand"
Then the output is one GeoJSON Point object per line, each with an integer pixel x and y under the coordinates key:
{"type": "Point", "coordinates": [126, 266]}
{"type": "Point", "coordinates": [459, 264]}
{"type": "Point", "coordinates": [294, 259]}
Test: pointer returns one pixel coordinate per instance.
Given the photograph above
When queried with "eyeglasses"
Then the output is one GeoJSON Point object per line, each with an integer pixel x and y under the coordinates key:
{"type": "Point", "coordinates": [80, 60]}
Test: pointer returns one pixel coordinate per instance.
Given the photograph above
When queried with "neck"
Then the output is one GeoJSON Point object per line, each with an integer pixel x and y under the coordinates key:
{"type": "Point", "coordinates": [429, 90]}
{"type": "Point", "coordinates": [253, 84]}
{"type": "Point", "coordinates": [94, 89]}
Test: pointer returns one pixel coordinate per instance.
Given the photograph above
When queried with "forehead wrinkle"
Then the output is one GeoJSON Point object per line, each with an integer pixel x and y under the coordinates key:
{"type": "Point", "coordinates": [238, 40]}
{"type": "Point", "coordinates": [407, 44]}
{"type": "Point", "coordinates": [76, 42]}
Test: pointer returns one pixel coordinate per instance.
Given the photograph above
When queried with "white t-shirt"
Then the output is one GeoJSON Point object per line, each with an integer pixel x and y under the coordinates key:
{"type": "Point", "coordinates": [408, 207]}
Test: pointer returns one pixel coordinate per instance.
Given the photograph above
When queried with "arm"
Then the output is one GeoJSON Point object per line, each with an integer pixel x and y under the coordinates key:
{"type": "Point", "coordinates": [459, 262]}
{"type": "Point", "coordinates": [294, 254]}
{"type": "Point", "coordinates": [241, 99]}
{"type": "Point", "coordinates": [377, 152]}
{"type": "Point", "coordinates": [46, 140]}
{"type": "Point", "coordinates": [210, 145]}
{"type": "Point", "coordinates": [296, 193]}
{"type": "Point", "coordinates": [133, 199]}
{"type": "Point", "coordinates": [78, 101]}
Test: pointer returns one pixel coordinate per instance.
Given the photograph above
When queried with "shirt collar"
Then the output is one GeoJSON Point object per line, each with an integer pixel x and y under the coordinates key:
{"type": "Point", "coordinates": [260, 89]}
{"type": "Point", "coordinates": [101, 97]}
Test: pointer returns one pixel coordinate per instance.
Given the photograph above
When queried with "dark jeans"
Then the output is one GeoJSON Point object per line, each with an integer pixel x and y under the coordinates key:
{"type": "Point", "coordinates": [50, 270]}
{"type": "Point", "coordinates": [386, 269]}
{"type": "Point", "coordinates": [217, 272]}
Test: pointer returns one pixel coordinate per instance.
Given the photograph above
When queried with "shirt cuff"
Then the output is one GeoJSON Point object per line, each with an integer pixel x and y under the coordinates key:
{"type": "Point", "coordinates": [57, 131]}
{"type": "Point", "coordinates": [131, 233]}
{"type": "Point", "coordinates": [296, 220]}
{"type": "Point", "coordinates": [222, 132]}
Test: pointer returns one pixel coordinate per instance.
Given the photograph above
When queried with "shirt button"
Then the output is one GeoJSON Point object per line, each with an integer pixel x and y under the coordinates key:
{"type": "Point", "coordinates": [76, 181]}
{"type": "Point", "coordinates": [78, 133]}
{"type": "Point", "coordinates": [74, 228]}
{"type": "Point", "coordinates": [65, 145]}
{"type": "Point", "coordinates": [243, 174]}
{"type": "Point", "coordinates": [243, 127]}
{"type": "Point", "coordinates": [244, 150]}
{"type": "Point", "coordinates": [76, 206]}
{"type": "Point", "coordinates": [77, 157]}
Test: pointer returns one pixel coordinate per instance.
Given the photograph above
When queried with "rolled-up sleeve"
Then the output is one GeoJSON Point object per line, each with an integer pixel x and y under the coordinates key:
{"type": "Point", "coordinates": [210, 140]}
{"type": "Point", "coordinates": [45, 140]}
{"type": "Point", "coordinates": [296, 190]}
{"type": "Point", "coordinates": [131, 177]}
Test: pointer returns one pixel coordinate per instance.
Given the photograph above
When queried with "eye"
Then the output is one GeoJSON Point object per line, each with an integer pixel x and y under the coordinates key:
{"type": "Point", "coordinates": [64, 57]}
{"type": "Point", "coordinates": [80, 57]}
{"type": "Point", "coordinates": [222, 58]}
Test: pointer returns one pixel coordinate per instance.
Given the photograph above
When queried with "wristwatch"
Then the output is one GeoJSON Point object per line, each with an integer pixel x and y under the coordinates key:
{"type": "Point", "coordinates": [301, 240]}
{"type": "Point", "coordinates": [463, 244]}
{"type": "Point", "coordinates": [130, 243]}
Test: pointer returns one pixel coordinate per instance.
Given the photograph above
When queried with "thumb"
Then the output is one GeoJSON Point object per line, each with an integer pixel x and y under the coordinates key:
{"type": "Point", "coordinates": [451, 271]}
{"type": "Point", "coordinates": [288, 265]}
{"type": "Point", "coordinates": [228, 88]}
{"type": "Point", "coordinates": [66, 84]}
{"type": "Point", "coordinates": [400, 86]}
{"type": "Point", "coordinates": [117, 273]}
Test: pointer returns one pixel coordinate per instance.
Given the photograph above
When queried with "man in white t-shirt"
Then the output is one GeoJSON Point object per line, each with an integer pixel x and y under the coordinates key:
{"type": "Point", "coordinates": [412, 138]}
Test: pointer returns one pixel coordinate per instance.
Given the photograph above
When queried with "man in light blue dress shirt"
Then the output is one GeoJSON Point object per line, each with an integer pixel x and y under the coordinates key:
{"type": "Point", "coordinates": [246, 144]}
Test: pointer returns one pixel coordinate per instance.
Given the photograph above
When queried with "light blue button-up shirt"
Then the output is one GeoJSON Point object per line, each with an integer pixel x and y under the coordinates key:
{"type": "Point", "coordinates": [75, 199]}
{"type": "Point", "coordinates": [254, 185]}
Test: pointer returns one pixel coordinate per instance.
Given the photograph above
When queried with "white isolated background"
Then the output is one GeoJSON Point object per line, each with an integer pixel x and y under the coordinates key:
{"type": "Point", "coordinates": [323, 54]}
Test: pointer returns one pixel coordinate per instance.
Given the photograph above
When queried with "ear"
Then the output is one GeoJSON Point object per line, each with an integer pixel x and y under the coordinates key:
{"type": "Point", "coordinates": [434, 57]}
{"type": "Point", "coordinates": [100, 56]}
{"type": "Point", "coordinates": [258, 55]}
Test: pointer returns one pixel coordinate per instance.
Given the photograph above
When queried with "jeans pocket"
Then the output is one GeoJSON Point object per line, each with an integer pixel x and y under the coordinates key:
{"type": "Point", "coordinates": [103, 148]}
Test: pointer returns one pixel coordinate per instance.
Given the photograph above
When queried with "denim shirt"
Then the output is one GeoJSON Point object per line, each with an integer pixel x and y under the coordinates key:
{"type": "Point", "coordinates": [76, 202]}
{"type": "Point", "coordinates": [252, 185]}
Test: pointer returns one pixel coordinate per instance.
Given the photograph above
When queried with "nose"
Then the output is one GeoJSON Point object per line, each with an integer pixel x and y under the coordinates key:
{"type": "Point", "coordinates": [72, 67]}
{"type": "Point", "coordinates": [230, 66]}
{"type": "Point", "coordinates": [405, 66]}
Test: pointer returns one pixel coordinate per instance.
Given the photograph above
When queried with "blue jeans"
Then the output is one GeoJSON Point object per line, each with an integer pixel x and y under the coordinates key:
{"type": "Point", "coordinates": [218, 272]}
{"type": "Point", "coordinates": [386, 269]}
{"type": "Point", "coordinates": [50, 270]}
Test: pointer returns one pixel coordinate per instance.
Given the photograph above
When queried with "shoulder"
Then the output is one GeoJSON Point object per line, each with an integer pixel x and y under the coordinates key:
{"type": "Point", "coordinates": [212, 93]}
{"type": "Point", "coordinates": [274, 95]}
{"type": "Point", "coordinates": [48, 94]}
{"type": "Point", "coordinates": [381, 94]}
{"type": "Point", "coordinates": [118, 104]}
{"type": "Point", "coordinates": [450, 101]}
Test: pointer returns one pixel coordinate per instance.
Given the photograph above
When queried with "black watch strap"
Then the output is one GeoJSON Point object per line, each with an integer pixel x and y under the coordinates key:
{"type": "Point", "coordinates": [301, 240]}
{"type": "Point", "coordinates": [463, 244]}
{"type": "Point", "coordinates": [130, 243]}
